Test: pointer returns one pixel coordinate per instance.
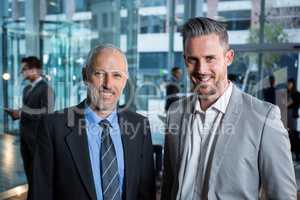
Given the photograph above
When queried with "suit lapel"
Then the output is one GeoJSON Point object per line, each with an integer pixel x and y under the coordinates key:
{"type": "Point", "coordinates": [78, 145]}
{"type": "Point", "coordinates": [29, 90]}
{"type": "Point", "coordinates": [126, 148]}
{"type": "Point", "coordinates": [26, 93]}
{"type": "Point", "coordinates": [226, 131]}
{"type": "Point", "coordinates": [185, 132]}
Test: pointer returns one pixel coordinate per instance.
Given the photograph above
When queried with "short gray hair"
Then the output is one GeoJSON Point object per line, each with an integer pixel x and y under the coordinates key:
{"type": "Point", "coordinates": [200, 26]}
{"type": "Point", "coordinates": [96, 51]}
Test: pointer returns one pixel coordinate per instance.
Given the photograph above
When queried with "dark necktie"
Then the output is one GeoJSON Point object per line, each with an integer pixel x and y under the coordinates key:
{"type": "Point", "coordinates": [109, 165]}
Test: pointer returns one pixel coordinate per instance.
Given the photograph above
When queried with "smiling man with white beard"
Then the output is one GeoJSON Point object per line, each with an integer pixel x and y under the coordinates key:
{"type": "Point", "coordinates": [222, 143]}
{"type": "Point", "coordinates": [94, 150]}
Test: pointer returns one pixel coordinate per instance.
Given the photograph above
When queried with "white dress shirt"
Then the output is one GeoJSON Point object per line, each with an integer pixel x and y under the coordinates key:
{"type": "Point", "coordinates": [200, 143]}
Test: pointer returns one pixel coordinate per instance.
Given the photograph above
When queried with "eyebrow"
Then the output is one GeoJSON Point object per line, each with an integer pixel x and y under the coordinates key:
{"type": "Point", "coordinates": [193, 56]}
{"type": "Point", "coordinates": [125, 73]}
{"type": "Point", "coordinates": [109, 71]}
{"type": "Point", "coordinates": [210, 56]}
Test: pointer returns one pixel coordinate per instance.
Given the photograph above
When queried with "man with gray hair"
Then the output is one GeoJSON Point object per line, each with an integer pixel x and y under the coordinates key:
{"type": "Point", "coordinates": [222, 143]}
{"type": "Point", "coordinates": [95, 150]}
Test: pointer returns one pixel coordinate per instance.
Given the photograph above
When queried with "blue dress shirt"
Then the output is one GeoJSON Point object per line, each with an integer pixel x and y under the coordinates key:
{"type": "Point", "coordinates": [94, 132]}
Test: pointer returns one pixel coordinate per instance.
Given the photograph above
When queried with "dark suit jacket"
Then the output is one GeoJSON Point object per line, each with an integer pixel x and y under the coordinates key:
{"type": "Point", "coordinates": [172, 89]}
{"type": "Point", "coordinates": [270, 95]}
{"type": "Point", "coordinates": [62, 167]}
{"type": "Point", "coordinates": [39, 100]}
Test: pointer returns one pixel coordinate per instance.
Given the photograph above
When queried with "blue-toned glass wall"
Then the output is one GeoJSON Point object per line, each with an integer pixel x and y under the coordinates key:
{"type": "Point", "coordinates": [3, 82]}
{"type": "Point", "coordinates": [69, 28]}
{"type": "Point", "coordinates": [61, 33]}
{"type": "Point", "coordinates": [12, 47]}
{"type": "Point", "coordinates": [21, 31]}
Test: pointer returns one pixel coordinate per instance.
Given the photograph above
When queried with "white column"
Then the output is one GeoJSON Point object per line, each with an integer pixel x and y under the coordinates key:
{"type": "Point", "coordinates": [69, 8]}
{"type": "Point", "coordinates": [32, 28]}
{"type": "Point", "coordinates": [171, 31]}
{"type": "Point", "coordinates": [212, 9]}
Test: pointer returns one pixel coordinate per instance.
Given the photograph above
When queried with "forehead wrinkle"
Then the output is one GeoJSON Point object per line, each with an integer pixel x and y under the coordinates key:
{"type": "Point", "coordinates": [111, 63]}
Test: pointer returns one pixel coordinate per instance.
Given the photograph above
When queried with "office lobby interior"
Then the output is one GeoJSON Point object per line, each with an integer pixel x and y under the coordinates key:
{"type": "Point", "coordinates": [264, 34]}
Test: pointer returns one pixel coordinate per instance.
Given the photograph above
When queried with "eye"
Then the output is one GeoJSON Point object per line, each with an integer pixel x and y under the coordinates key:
{"type": "Point", "coordinates": [117, 75]}
{"type": "Point", "coordinates": [191, 60]}
{"type": "Point", "coordinates": [209, 59]}
{"type": "Point", "coordinates": [99, 74]}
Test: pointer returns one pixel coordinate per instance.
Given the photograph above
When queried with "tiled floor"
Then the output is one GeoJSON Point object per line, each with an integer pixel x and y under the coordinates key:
{"type": "Point", "coordinates": [11, 167]}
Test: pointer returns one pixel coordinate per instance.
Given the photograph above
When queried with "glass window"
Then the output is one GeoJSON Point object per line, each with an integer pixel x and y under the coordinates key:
{"type": "Point", "coordinates": [16, 9]}
{"type": "Point", "coordinates": [148, 3]}
{"type": "Point", "coordinates": [81, 5]}
{"type": "Point", "coordinates": [54, 6]}
{"type": "Point", "coordinates": [153, 60]}
{"type": "Point", "coordinates": [153, 24]}
{"type": "Point", "coordinates": [141, 30]}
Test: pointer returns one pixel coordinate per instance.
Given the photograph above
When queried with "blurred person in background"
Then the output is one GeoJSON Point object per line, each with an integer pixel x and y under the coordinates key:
{"type": "Point", "coordinates": [37, 99]}
{"type": "Point", "coordinates": [173, 87]}
{"type": "Point", "coordinates": [269, 94]}
{"type": "Point", "coordinates": [293, 115]}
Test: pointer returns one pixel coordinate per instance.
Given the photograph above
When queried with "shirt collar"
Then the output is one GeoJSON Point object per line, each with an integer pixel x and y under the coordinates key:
{"type": "Point", "coordinates": [36, 81]}
{"type": "Point", "coordinates": [222, 102]}
{"type": "Point", "coordinates": [93, 118]}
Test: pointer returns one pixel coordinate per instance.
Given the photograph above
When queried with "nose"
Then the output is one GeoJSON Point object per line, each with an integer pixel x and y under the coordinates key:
{"type": "Point", "coordinates": [108, 80]}
{"type": "Point", "coordinates": [201, 67]}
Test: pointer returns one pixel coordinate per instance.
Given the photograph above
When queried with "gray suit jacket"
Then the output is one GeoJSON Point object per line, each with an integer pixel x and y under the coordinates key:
{"type": "Point", "coordinates": [252, 151]}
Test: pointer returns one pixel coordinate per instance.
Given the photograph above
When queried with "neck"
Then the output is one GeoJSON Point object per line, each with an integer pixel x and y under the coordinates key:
{"type": "Point", "coordinates": [205, 103]}
{"type": "Point", "coordinates": [34, 78]}
{"type": "Point", "coordinates": [103, 113]}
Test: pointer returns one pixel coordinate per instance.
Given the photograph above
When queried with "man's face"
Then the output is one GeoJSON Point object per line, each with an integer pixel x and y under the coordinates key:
{"type": "Point", "coordinates": [28, 74]}
{"type": "Point", "coordinates": [107, 80]}
{"type": "Point", "coordinates": [177, 74]}
{"type": "Point", "coordinates": [290, 86]}
{"type": "Point", "coordinates": [207, 60]}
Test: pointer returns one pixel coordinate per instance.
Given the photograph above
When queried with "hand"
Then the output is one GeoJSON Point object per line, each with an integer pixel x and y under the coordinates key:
{"type": "Point", "coordinates": [15, 114]}
{"type": "Point", "coordinates": [290, 102]}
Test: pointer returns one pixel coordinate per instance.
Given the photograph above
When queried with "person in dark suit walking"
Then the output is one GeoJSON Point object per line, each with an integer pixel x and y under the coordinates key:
{"type": "Point", "coordinates": [293, 115]}
{"type": "Point", "coordinates": [37, 99]}
{"type": "Point", "coordinates": [269, 93]}
{"type": "Point", "coordinates": [95, 150]}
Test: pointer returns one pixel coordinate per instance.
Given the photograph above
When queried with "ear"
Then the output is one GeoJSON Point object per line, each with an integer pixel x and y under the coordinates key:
{"type": "Point", "coordinates": [84, 74]}
{"type": "Point", "coordinates": [229, 56]}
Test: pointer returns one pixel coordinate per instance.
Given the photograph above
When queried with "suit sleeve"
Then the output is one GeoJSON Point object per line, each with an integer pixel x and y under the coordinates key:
{"type": "Point", "coordinates": [47, 99]}
{"type": "Point", "coordinates": [168, 177]}
{"type": "Point", "coordinates": [43, 164]}
{"type": "Point", "coordinates": [275, 161]}
{"type": "Point", "coordinates": [147, 177]}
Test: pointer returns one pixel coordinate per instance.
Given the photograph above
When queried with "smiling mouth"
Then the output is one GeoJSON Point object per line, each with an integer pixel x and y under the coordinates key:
{"type": "Point", "coordinates": [107, 94]}
{"type": "Point", "coordinates": [203, 79]}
